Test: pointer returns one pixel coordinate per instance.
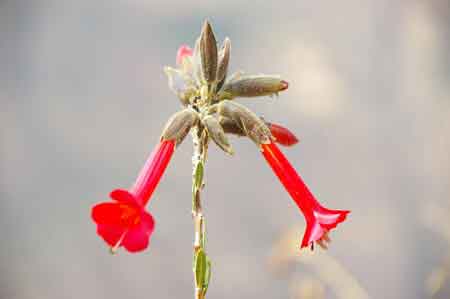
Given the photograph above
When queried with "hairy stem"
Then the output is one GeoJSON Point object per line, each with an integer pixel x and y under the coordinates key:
{"type": "Point", "coordinates": [201, 265]}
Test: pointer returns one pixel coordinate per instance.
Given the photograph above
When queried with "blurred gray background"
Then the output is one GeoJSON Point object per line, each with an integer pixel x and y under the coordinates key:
{"type": "Point", "coordinates": [83, 99]}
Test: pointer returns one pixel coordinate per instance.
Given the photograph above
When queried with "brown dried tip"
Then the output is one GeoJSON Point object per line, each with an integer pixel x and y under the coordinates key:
{"type": "Point", "coordinates": [284, 85]}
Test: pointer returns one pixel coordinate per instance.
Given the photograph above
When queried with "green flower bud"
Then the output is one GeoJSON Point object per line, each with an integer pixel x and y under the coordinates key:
{"type": "Point", "coordinates": [217, 134]}
{"type": "Point", "coordinates": [179, 125]}
{"type": "Point", "coordinates": [224, 58]}
{"type": "Point", "coordinates": [208, 53]}
{"type": "Point", "coordinates": [252, 86]}
{"type": "Point", "coordinates": [230, 126]}
{"type": "Point", "coordinates": [247, 121]}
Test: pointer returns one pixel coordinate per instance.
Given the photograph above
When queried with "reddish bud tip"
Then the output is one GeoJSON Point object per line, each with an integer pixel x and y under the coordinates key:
{"type": "Point", "coordinates": [183, 51]}
{"type": "Point", "coordinates": [282, 135]}
{"type": "Point", "coordinates": [284, 85]}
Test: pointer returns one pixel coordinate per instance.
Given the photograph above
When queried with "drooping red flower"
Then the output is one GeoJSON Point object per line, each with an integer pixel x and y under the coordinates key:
{"type": "Point", "coordinates": [319, 220]}
{"type": "Point", "coordinates": [124, 221]}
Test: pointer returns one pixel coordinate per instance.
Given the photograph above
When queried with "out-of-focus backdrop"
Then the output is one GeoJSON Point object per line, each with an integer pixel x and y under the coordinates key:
{"type": "Point", "coordinates": [83, 100]}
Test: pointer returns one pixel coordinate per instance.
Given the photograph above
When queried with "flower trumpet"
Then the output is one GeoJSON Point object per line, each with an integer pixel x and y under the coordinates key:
{"type": "Point", "coordinates": [319, 220]}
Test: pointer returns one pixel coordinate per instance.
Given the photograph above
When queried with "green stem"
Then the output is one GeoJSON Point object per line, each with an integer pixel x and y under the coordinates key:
{"type": "Point", "coordinates": [201, 267]}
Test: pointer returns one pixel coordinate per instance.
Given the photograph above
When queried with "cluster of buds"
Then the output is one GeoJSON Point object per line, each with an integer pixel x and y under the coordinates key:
{"type": "Point", "coordinates": [210, 112]}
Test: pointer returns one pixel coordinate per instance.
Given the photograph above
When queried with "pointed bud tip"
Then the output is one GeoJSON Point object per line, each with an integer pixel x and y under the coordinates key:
{"type": "Point", "coordinates": [284, 85]}
{"type": "Point", "coordinates": [208, 53]}
{"type": "Point", "coordinates": [206, 25]}
{"type": "Point", "coordinates": [206, 29]}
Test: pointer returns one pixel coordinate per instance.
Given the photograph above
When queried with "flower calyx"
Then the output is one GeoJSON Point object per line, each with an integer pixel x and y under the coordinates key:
{"type": "Point", "coordinates": [252, 86]}
{"type": "Point", "coordinates": [179, 125]}
{"type": "Point", "coordinates": [217, 134]}
{"type": "Point", "coordinates": [248, 122]}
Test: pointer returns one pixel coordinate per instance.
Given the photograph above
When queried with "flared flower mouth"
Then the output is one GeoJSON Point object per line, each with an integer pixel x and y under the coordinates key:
{"type": "Point", "coordinates": [319, 225]}
{"type": "Point", "coordinates": [123, 222]}
{"type": "Point", "coordinates": [124, 210]}
{"type": "Point", "coordinates": [319, 220]}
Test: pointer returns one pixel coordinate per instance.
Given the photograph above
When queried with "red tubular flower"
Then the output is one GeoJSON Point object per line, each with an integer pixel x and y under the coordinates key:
{"type": "Point", "coordinates": [124, 221]}
{"type": "Point", "coordinates": [319, 220]}
{"type": "Point", "coordinates": [282, 135]}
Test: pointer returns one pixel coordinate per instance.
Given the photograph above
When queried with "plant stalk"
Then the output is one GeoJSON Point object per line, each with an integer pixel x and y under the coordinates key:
{"type": "Point", "coordinates": [201, 265]}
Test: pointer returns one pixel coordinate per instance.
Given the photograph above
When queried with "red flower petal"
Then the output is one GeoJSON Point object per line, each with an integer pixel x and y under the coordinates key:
{"type": "Point", "coordinates": [123, 225]}
{"type": "Point", "coordinates": [110, 233]}
{"type": "Point", "coordinates": [319, 220]}
{"type": "Point", "coordinates": [313, 232]}
{"type": "Point", "coordinates": [282, 135]}
{"type": "Point", "coordinates": [123, 196]}
{"type": "Point", "coordinates": [137, 238]}
{"type": "Point", "coordinates": [108, 213]}
{"type": "Point", "coordinates": [329, 218]}
{"type": "Point", "coordinates": [183, 51]}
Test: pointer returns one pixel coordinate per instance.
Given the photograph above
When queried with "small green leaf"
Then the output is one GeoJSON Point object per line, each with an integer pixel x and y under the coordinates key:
{"type": "Point", "coordinates": [200, 269]}
{"type": "Point", "coordinates": [198, 179]}
{"type": "Point", "coordinates": [208, 273]}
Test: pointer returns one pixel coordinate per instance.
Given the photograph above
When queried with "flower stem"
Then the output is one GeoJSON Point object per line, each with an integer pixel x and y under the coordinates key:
{"type": "Point", "coordinates": [201, 265]}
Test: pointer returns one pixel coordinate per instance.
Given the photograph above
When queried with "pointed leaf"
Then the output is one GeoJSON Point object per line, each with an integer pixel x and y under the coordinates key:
{"type": "Point", "coordinates": [198, 178]}
{"type": "Point", "coordinates": [207, 274]}
{"type": "Point", "coordinates": [200, 268]}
